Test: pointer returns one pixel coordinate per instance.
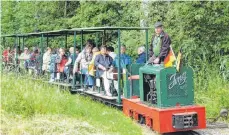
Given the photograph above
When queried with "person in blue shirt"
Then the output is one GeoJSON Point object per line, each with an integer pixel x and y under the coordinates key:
{"type": "Point", "coordinates": [124, 58]}
{"type": "Point", "coordinates": [141, 55]}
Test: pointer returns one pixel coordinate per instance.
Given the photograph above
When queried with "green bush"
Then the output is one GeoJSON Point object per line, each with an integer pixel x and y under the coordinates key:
{"type": "Point", "coordinates": [211, 90]}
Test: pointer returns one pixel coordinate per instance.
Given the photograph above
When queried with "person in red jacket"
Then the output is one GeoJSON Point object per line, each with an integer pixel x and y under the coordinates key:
{"type": "Point", "coordinates": [62, 60]}
{"type": "Point", "coordinates": [6, 54]}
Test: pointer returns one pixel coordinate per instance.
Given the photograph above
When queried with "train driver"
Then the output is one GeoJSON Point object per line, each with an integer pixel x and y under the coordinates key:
{"type": "Point", "coordinates": [160, 45]}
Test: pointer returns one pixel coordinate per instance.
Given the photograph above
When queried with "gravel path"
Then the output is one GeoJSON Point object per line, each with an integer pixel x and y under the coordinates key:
{"type": "Point", "coordinates": [209, 131]}
{"type": "Point", "coordinates": [218, 128]}
{"type": "Point", "coordinates": [217, 131]}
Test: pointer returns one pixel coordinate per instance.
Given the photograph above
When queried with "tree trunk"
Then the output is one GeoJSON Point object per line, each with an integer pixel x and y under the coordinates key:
{"type": "Point", "coordinates": [65, 8]}
{"type": "Point", "coordinates": [144, 7]}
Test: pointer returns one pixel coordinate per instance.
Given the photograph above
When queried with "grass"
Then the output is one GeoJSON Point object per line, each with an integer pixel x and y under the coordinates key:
{"type": "Point", "coordinates": [31, 107]}
{"type": "Point", "coordinates": [45, 124]}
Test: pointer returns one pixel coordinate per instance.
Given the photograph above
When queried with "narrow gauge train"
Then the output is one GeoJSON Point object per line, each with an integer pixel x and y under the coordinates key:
{"type": "Point", "coordinates": [162, 98]}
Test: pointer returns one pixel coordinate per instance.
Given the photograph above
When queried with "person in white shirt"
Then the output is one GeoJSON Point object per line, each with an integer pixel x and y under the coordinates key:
{"type": "Point", "coordinates": [24, 57]}
{"type": "Point", "coordinates": [83, 59]}
{"type": "Point", "coordinates": [46, 60]}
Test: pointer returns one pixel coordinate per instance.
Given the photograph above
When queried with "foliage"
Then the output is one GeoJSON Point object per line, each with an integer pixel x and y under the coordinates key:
{"type": "Point", "coordinates": [206, 26]}
{"type": "Point", "coordinates": [25, 100]}
{"type": "Point", "coordinates": [212, 92]}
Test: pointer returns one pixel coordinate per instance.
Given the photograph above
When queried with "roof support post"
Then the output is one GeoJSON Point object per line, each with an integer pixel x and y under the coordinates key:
{"type": "Point", "coordinates": [81, 48]}
{"type": "Point", "coordinates": [23, 43]}
{"type": "Point", "coordinates": [147, 46]}
{"type": "Point", "coordinates": [66, 40]}
{"type": "Point", "coordinates": [74, 58]}
{"type": "Point", "coordinates": [97, 39]}
{"type": "Point", "coordinates": [119, 68]}
{"type": "Point", "coordinates": [47, 41]}
{"type": "Point", "coordinates": [81, 44]}
{"type": "Point", "coordinates": [19, 43]}
{"type": "Point", "coordinates": [104, 37]}
{"type": "Point", "coordinates": [16, 47]}
{"type": "Point", "coordinates": [16, 54]}
{"type": "Point", "coordinates": [1, 50]}
{"type": "Point", "coordinates": [42, 51]}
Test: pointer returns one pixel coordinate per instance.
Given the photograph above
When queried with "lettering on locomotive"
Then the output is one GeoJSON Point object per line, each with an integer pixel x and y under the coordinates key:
{"type": "Point", "coordinates": [177, 79]}
{"type": "Point", "coordinates": [177, 85]}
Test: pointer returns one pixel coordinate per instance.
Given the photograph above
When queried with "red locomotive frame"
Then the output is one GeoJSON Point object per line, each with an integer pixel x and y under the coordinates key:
{"type": "Point", "coordinates": [160, 120]}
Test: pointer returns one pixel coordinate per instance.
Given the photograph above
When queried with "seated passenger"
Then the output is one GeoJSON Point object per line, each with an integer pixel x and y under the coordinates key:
{"type": "Point", "coordinates": [124, 58]}
{"type": "Point", "coordinates": [38, 67]}
{"type": "Point", "coordinates": [103, 62]}
{"type": "Point", "coordinates": [91, 67]}
{"type": "Point", "coordinates": [61, 61]}
{"type": "Point", "coordinates": [70, 60]}
{"type": "Point", "coordinates": [53, 65]}
{"type": "Point", "coordinates": [90, 42]}
{"type": "Point", "coordinates": [141, 55]}
{"type": "Point", "coordinates": [14, 54]}
{"type": "Point", "coordinates": [77, 52]}
{"type": "Point", "coordinates": [6, 54]}
{"type": "Point", "coordinates": [110, 51]}
{"type": "Point", "coordinates": [124, 61]}
{"type": "Point", "coordinates": [69, 65]}
{"type": "Point", "coordinates": [46, 60]}
{"type": "Point", "coordinates": [33, 61]}
{"type": "Point", "coordinates": [84, 58]}
{"type": "Point", "coordinates": [24, 59]}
